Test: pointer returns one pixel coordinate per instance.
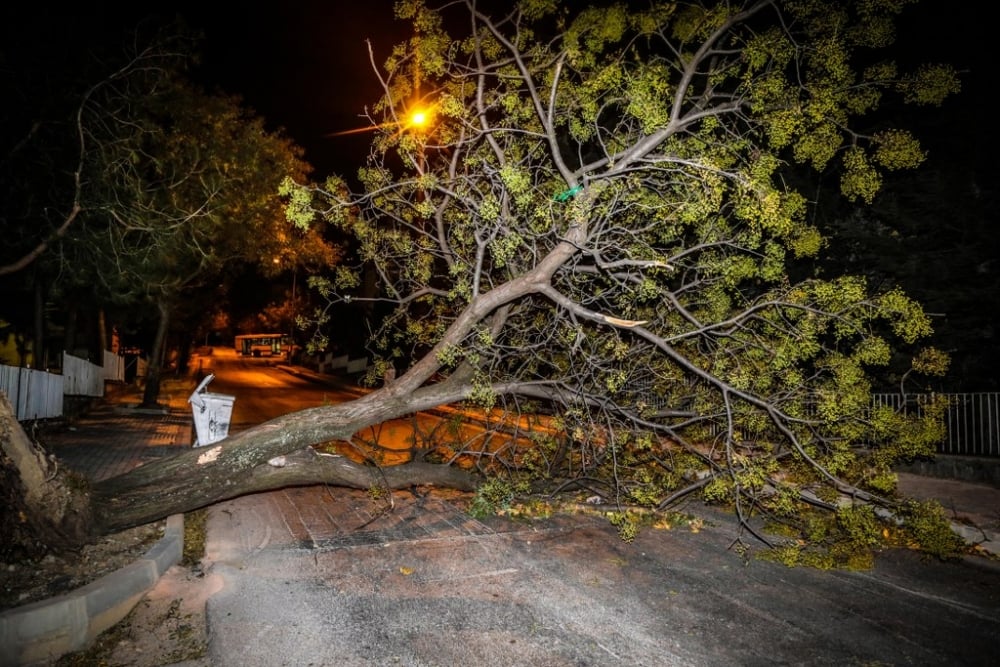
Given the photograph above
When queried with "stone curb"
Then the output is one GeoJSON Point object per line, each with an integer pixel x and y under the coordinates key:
{"type": "Point", "coordinates": [41, 632]}
{"type": "Point", "coordinates": [987, 540]}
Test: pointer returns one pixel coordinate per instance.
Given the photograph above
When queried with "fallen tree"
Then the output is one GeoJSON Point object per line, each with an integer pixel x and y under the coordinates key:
{"type": "Point", "coordinates": [62, 510]}
{"type": "Point", "coordinates": [596, 223]}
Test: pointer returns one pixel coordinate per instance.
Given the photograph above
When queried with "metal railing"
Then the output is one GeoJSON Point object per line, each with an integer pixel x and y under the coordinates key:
{"type": "Point", "coordinates": [972, 420]}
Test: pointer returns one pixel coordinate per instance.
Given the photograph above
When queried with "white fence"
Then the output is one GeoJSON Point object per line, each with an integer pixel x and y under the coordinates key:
{"type": "Point", "coordinates": [328, 363]}
{"type": "Point", "coordinates": [38, 394]}
{"type": "Point", "coordinates": [33, 394]}
{"type": "Point", "coordinates": [141, 366]}
{"type": "Point", "coordinates": [82, 378]}
{"type": "Point", "coordinates": [114, 367]}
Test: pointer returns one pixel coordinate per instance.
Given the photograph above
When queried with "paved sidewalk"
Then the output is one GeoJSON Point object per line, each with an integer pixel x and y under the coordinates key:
{"type": "Point", "coordinates": [115, 438]}
{"type": "Point", "coordinates": [972, 508]}
{"type": "Point", "coordinates": [115, 435]}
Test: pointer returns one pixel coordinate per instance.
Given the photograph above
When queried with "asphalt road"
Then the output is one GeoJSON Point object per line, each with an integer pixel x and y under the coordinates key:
{"type": "Point", "coordinates": [263, 391]}
{"type": "Point", "coordinates": [322, 576]}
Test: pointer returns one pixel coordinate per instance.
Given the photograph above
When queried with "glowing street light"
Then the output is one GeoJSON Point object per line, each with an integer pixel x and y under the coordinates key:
{"type": "Point", "coordinates": [417, 119]}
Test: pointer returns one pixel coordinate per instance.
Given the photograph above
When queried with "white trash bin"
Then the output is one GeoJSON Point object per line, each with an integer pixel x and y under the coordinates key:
{"type": "Point", "coordinates": [212, 414]}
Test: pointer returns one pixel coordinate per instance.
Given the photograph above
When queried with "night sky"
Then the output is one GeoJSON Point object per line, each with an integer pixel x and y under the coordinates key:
{"type": "Point", "coordinates": [305, 67]}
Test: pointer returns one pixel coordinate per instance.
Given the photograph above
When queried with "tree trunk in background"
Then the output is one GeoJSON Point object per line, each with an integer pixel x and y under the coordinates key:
{"type": "Point", "coordinates": [104, 341]}
{"type": "Point", "coordinates": [151, 392]}
{"type": "Point", "coordinates": [72, 319]}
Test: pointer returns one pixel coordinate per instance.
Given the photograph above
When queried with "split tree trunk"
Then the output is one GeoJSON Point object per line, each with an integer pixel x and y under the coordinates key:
{"type": "Point", "coordinates": [45, 506]}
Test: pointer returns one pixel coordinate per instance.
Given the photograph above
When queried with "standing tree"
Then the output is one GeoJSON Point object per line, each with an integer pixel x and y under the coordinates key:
{"type": "Point", "coordinates": [52, 130]}
{"type": "Point", "coordinates": [147, 190]}
{"type": "Point", "coordinates": [594, 224]}
{"type": "Point", "coordinates": [184, 189]}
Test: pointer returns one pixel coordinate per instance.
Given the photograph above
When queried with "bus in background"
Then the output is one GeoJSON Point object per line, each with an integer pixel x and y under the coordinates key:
{"type": "Point", "coordinates": [261, 345]}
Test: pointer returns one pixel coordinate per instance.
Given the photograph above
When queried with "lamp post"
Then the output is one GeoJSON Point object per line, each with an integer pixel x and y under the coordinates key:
{"type": "Point", "coordinates": [418, 121]}
{"type": "Point", "coordinates": [291, 309]}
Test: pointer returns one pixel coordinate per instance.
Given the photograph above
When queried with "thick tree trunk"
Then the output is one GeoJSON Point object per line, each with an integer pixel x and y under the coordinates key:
{"type": "Point", "coordinates": [251, 461]}
{"type": "Point", "coordinates": [274, 455]}
{"type": "Point", "coordinates": [196, 480]}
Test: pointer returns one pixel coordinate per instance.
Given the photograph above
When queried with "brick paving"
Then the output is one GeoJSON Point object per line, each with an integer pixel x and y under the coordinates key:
{"type": "Point", "coordinates": [114, 438]}
{"type": "Point", "coordinates": [321, 518]}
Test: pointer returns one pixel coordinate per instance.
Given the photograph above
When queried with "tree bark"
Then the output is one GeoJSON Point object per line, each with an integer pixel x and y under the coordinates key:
{"type": "Point", "coordinates": [151, 391]}
{"type": "Point", "coordinates": [47, 507]}
{"type": "Point", "coordinates": [72, 321]}
{"type": "Point", "coordinates": [103, 339]}
{"type": "Point", "coordinates": [186, 482]}
{"type": "Point", "coordinates": [38, 341]}
{"type": "Point", "coordinates": [240, 464]}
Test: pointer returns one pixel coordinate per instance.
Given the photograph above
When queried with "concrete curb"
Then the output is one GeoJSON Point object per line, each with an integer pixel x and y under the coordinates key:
{"type": "Point", "coordinates": [985, 539]}
{"type": "Point", "coordinates": [976, 469]}
{"type": "Point", "coordinates": [41, 632]}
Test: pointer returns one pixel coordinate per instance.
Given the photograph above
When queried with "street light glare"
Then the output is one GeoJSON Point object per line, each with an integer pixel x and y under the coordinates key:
{"type": "Point", "coordinates": [418, 118]}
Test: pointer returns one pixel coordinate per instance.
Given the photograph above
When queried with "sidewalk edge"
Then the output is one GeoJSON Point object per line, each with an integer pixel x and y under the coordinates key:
{"type": "Point", "coordinates": [45, 630]}
{"type": "Point", "coordinates": [985, 539]}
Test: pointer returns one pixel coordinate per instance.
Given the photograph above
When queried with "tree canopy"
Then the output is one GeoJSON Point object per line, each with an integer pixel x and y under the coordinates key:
{"type": "Point", "coordinates": [596, 222]}
{"type": "Point", "coordinates": [132, 187]}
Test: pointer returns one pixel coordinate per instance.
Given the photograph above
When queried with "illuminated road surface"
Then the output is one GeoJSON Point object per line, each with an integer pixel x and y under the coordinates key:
{"type": "Point", "coordinates": [263, 391]}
